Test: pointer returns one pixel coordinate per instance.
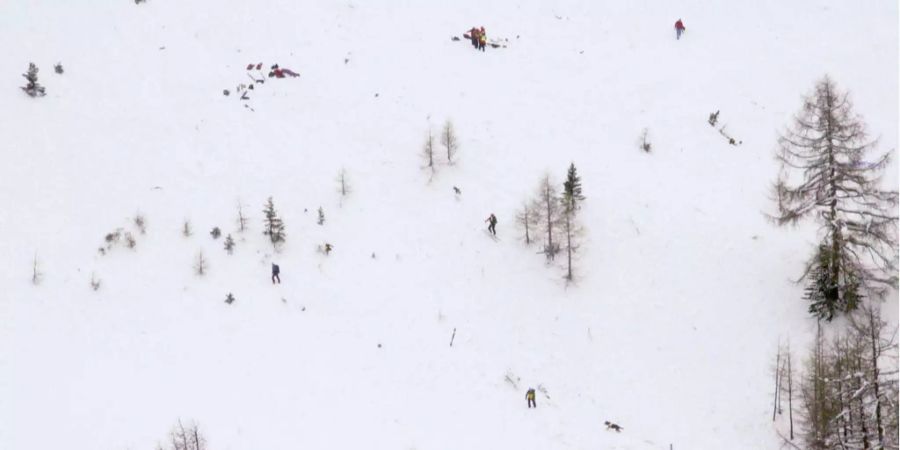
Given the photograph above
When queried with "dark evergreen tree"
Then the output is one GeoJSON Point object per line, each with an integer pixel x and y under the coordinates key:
{"type": "Point", "coordinates": [568, 220]}
{"type": "Point", "coordinates": [572, 187]}
{"type": "Point", "coordinates": [826, 296]}
{"type": "Point", "coordinates": [824, 175]}
{"type": "Point", "coordinates": [33, 88]}
{"type": "Point", "coordinates": [274, 227]}
{"type": "Point", "coordinates": [321, 219]}
{"type": "Point", "coordinates": [215, 232]}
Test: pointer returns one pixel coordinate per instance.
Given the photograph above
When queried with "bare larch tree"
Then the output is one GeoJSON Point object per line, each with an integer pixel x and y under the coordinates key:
{"type": "Point", "coordinates": [824, 175]}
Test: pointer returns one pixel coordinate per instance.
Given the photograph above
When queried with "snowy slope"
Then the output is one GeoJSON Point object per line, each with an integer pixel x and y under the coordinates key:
{"type": "Point", "coordinates": [684, 288]}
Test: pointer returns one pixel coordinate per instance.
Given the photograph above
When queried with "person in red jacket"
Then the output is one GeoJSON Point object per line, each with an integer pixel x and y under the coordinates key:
{"type": "Point", "coordinates": [679, 28]}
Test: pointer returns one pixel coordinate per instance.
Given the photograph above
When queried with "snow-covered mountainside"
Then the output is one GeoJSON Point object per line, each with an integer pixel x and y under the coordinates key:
{"type": "Point", "coordinates": [683, 287]}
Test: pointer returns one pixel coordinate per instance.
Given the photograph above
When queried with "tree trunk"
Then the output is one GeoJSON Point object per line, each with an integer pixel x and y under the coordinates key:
{"type": "Point", "coordinates": [874, 338]}
{"type": "Point", "coordinates": [569, 243]}
{"type": "Point", "coordinates": [777, 373]}
{"type": "Point", "coordinates": [790, 393]}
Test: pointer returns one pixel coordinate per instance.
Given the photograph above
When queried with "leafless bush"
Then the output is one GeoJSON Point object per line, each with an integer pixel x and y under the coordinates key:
{"type": "Point", "coordinates": [450, 141]}
{"type": "Point", "coordinates": [343, 183]}
{"type": "Point", "coordinates": [229, 244]}
{"type": "Point", "coordinates": [130, 242]}
{"type": "Point", "coordinates": [140, 223]}
{"type": "Point", "coordinates": [644, 142]}
{"type": "Point", "coordinates": [184, 438]}
{"type": "Point", "coordinates": [95, 282]}
{"type": "Point", "coordinates": [36, 274]}
{"type": "Point", "coordinates": [201, 265]}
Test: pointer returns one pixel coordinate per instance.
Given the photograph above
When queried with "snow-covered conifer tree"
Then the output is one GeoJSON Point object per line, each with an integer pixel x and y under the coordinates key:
{"type": "Point", "coordinates": [274, 227]}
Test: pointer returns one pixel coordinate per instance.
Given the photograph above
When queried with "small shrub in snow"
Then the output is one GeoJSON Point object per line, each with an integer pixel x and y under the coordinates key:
{"type": "Point", "coordinates": [428, 152]}
{"type": "Point", "coordinates": [36, 274]}
{"type": "Point", "coordinates": [181, 438]}
{"type": "Point", "coordinates": [241, 219]}
{"type": "Point", "coordinates": [186, 229]}
{"type": "Point", "coordinates": [112, 238]}
{"type": "Point", "coordinates": [644, 142]}
{"type": "Point", "coordinates": [58, 68]}
{"type": "Point", "coordinates": [140, 223]}
{"type": "Point", "coordinates": [229, 244]}
{"type": "Point", "coordinates": [201, 265]}
{"type": "Point", "coordinates": [450, 141]}
{"type": "Point", "coordinates": [343, 183]}
{"type": "Point", "coordinates": [33, 88]}
{"type": "Point", "coordinates": [321, 220]}
{"type": "Point", "coordinates": [215, 233]}
{"type": "Point", "coordinates": [229, 298]}
{"type": "Point", "coordinates": [130, 242]}
{"type": "Point", "coordinates": [95, 282]}
{"type": "Point", "coordinates": [528, 220]}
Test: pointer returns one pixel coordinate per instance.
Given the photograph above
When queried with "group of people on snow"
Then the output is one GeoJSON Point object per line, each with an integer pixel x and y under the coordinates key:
{"type": "Point", "coordinates": [478, 38]}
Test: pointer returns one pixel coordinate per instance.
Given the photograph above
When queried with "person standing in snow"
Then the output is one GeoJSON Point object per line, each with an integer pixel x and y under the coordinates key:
{"type": "Point", "coordinates": [473, 35]}
{"type": "Point", "coordinates": [530, 397]}
{"type": "Point", "coordinates": [492, 224]}
{"type": "Point", "coordinates": [482, 39]}
{"type": "Point", "coordinates": [275, 271]}
{"type": "Point", "coordinates": [679, 28]}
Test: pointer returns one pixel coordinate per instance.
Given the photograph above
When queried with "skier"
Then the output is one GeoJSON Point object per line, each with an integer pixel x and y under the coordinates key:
{"type": "Point", "coordinates": [275, 271]}
{"type": "Point", "coordinates": [492, 224]}
{"type": "Point", "coordinates": [482, 39]}
{"type": "Point", "coordinates": [530, 397]}
{"type": "Point", "coordinates": [679, 28]}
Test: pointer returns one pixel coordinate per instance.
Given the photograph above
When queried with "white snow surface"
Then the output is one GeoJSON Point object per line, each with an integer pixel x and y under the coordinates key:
{"type": "Point", "coordinates": [684, 288]}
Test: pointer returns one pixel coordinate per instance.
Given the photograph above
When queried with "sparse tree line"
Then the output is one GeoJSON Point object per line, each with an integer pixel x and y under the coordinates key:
{"type": "Point", "coordinates": [845, 393]}
{"type": "Point", "coordinates": [847, 387]}
{"type": "Point", "coordinates": [443, 149]}
{"type": "Point", "coordinates": [273, 228]}
{"type": "Point", "coordinates": [551, 218]}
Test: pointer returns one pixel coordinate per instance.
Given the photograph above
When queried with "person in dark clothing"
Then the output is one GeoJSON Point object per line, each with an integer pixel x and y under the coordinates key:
{"type": "Point", "coordinates": [530, 397]}
{"type": "Point", "coordinates": [492, 224]}
{"type": "Point", "coordinates": [482, 39]}
{"type": "Point", "coordinates": [275, 271]}
{"type": "Point", "coordinates": [679, 28]}
{"type": "Point", "coordinates": [473, 35]}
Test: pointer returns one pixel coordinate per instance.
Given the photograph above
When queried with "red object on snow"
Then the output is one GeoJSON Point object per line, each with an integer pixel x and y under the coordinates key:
{"type": "Point", "coordinates": [679, 25]}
